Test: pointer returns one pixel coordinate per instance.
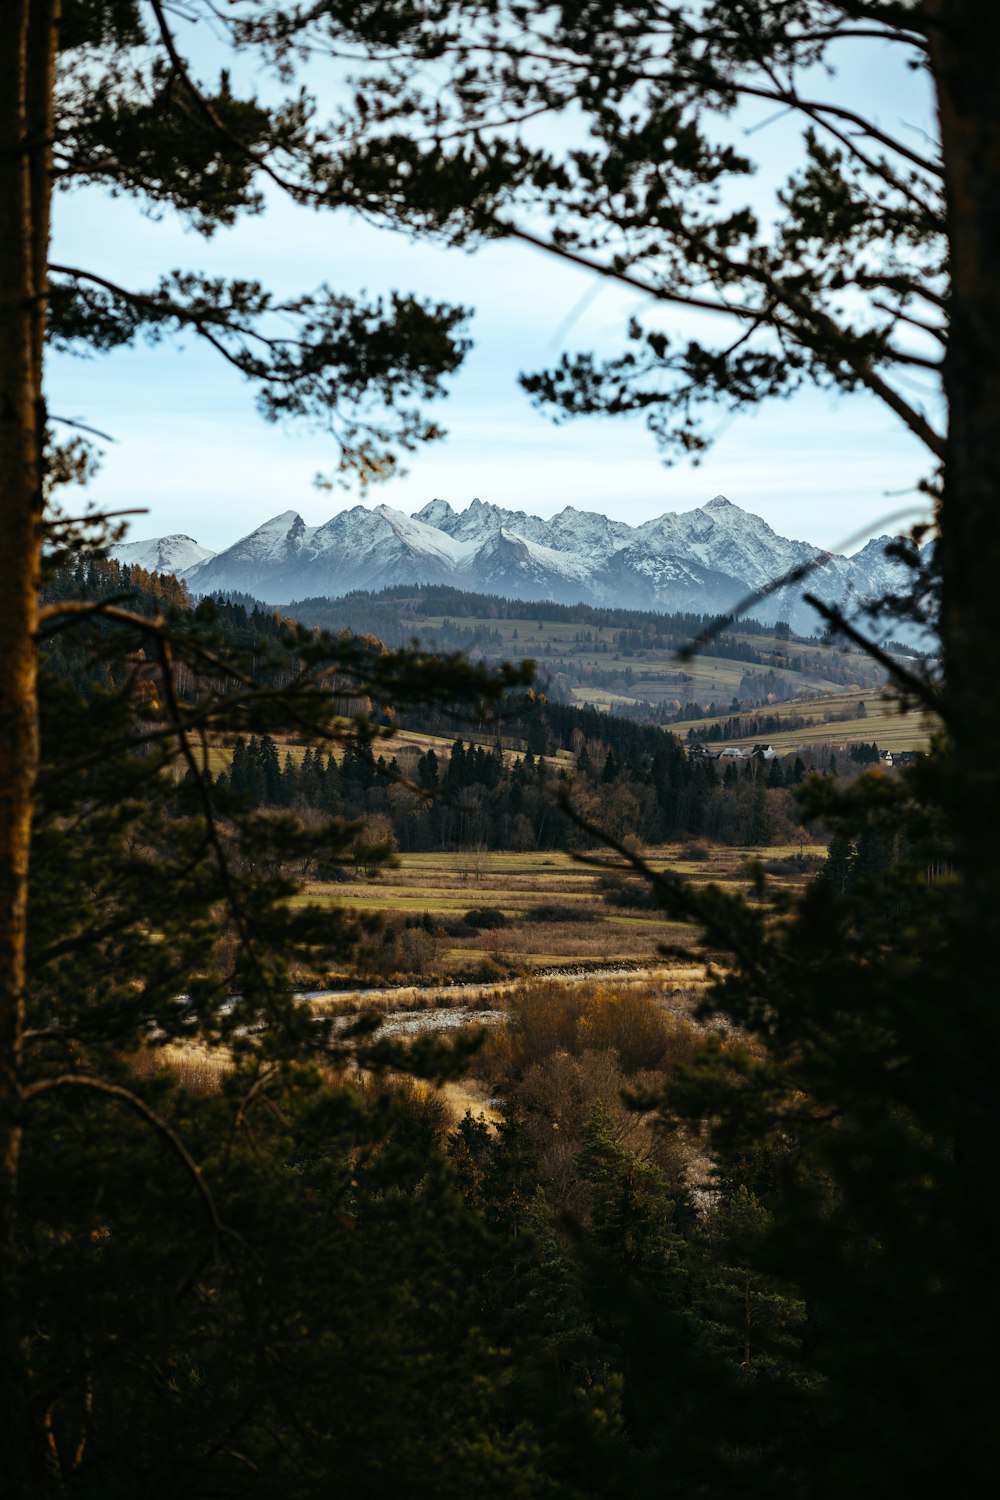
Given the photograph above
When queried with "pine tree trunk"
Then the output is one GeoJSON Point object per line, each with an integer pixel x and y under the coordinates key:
{"type": "Point", "coordinates": [965, 48]}
{"type": "Point", "coordinates": [27, 57]}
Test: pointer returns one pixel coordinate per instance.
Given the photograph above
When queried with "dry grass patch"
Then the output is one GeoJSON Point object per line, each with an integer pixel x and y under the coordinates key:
{"type": "Point", "coordinates": [198, 1068]}
{"type": "Point", "coordinates": [553, 911]}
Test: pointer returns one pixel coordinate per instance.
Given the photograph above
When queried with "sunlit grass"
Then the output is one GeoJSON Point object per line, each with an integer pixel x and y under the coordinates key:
{"type": "Point", "coordinates": [447, 885]}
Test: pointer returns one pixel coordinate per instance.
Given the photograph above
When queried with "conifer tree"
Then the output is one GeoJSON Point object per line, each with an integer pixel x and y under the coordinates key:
{"type": "Point", "coordinates": [100, 91]}
{"type": "Point", "coordinates": [182, 1259]}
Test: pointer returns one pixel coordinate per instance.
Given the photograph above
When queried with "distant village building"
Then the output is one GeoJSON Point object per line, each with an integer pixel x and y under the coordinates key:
{"type": "Point", "coordinates": [764, 752]}
{"type": "Point", "coordinates": [732, 752]}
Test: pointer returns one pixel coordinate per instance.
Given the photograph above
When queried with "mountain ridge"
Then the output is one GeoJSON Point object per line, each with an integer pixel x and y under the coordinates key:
{"type": "Point", "coordinates": [707, 559]}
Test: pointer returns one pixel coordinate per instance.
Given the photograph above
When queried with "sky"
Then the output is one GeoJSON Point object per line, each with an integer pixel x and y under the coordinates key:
{"type": "Point", "coordinates": [190, 450]}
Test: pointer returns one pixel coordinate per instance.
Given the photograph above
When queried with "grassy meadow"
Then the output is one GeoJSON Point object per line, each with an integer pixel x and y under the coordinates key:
{"type": "Point", "coordinates": [567, 976]}
{"type": "Point", "coordinates": [552, 911]}
{"type": "Point", "coordinates": [833, 720]}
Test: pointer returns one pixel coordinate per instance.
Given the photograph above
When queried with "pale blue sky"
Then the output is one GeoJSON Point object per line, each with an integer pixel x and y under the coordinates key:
{"type": "Point", "coordinates": [191, 449]}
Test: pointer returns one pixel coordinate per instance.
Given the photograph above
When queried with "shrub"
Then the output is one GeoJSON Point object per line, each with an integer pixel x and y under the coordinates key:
{"type": "Point", "coordinates": [548, 1018]}
{"type": "Point", "coordinates": [629, 1024]}
{"type": "Point", "coordinates": [794, 864]}
{"type": "Point", "coordinates": [559, 913]}
{"type": "Point", "coordinates": [633, 893]}
{"type": "Point", "coordinates": [457, 927]}
{"type": "Point", "coordinates": [485, 916]}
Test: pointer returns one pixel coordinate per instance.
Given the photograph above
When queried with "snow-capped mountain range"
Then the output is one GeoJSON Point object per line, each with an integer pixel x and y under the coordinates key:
{"type": "Point", "coordinates": [702, 560]}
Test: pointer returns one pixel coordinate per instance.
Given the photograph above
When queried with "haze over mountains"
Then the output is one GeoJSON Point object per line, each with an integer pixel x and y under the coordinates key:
{"type": "Point", "coordinates": [702, 560]}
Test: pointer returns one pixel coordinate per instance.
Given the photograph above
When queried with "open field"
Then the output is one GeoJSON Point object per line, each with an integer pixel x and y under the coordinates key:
{"type": "Point", "coordinates": [552, 911]}
{"type": "Point", "coordinates": [659, 679]}
{"type": "Point", "coordinates": [833, 721]}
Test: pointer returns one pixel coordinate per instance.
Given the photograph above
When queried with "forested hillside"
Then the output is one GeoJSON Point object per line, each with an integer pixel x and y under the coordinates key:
{"type": "Point", "coordinates": [634, 663]}
{"type": "Point", "coordinates": [493, 785]}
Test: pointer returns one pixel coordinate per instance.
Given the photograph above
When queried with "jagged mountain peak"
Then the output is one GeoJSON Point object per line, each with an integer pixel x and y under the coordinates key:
{"type": "Point", "coordinates": [703, 559]}
{"type": "Point", "coordinates": [875, 544]}
{"type": "Point", "coordinates": [282, 523]}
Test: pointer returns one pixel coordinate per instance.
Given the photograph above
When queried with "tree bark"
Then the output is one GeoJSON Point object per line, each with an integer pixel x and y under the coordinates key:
{"type": "Point", "coordinates": [965, 47]}
{"type": "Point", "coordinates": [27, 62]}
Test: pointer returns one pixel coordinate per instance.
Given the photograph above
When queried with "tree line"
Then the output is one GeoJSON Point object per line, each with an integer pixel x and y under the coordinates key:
{"type": "Point", "coordinates": [476, 796]}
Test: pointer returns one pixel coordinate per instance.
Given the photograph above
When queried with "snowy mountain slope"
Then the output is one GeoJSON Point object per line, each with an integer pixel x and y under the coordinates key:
{"type": "Point", "coordinates": [510, 564]}
{"type": "Point", "coordinates": [726, 539]}
{"type": "Point", "coordinates": [707, 559]}
{"type": "Point", "coordinates": [252, 563]}
{"type": "Point", "coordinates": [162, 554]}
{"type": "Point", "coordinates": [636, 578]}
{"type": "Point", "coordinates": [480, 522]}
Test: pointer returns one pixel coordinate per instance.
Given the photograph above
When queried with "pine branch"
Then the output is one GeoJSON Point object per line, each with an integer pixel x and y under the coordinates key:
{"type": "Point", "coordinates": [924, 692]}
{"type": "Point", "coordinates": [159, 1124]}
